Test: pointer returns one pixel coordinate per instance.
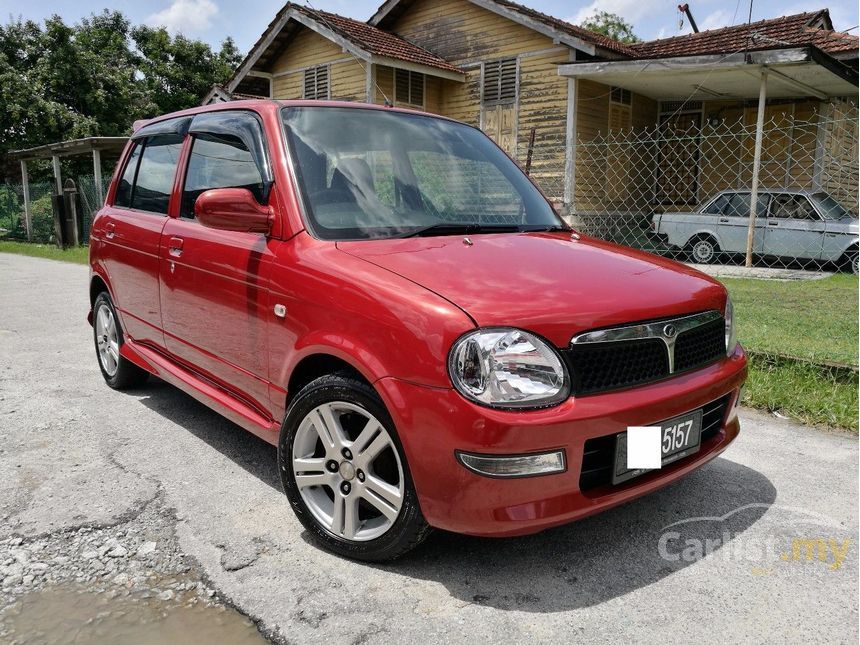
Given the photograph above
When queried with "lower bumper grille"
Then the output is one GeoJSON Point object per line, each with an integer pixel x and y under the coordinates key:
{"type": "Point", "coordinates": [598, 457]}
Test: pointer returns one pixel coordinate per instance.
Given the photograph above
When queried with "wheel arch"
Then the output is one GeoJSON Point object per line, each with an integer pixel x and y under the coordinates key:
{"type": "Point", "coordinates": [703, 233]}
{"type": "Point", "coordinates": [315, 365]}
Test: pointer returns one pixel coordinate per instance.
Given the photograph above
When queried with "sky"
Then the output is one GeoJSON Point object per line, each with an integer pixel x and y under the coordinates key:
{"type": "Point", "coordinates": [214, 20]}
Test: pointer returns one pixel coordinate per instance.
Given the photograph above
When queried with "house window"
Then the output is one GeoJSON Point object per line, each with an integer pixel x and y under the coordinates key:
{"type": "Point", "coordinates": [409, 87]}
{"type": "Point", "coordinates": [316, 83]}
{"type": "Point", "coordinates": [620, 95]}
{"type": "Point", "coordinates": [500, 81]}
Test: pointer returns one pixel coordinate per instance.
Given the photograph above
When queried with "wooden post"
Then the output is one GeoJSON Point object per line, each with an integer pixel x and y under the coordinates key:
{"type": "Point", "coordinates": [759, 131]}
{"type": "Point", "coordinates": [28, 216]}
{"type": "Point", "coordinates": [97, 175]}
{"type": "Point", "coordinates": [58, 175]}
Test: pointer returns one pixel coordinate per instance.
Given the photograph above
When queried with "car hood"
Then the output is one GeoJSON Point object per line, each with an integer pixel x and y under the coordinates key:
{"type": "Point", "coordinates": [547, 283]}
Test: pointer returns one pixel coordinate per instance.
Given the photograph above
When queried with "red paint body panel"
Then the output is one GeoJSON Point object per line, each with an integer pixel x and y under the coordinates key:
{"type": "Point", "coordinates": [546, 282]}
{"type": "Point", "coordinates": [198, 306]}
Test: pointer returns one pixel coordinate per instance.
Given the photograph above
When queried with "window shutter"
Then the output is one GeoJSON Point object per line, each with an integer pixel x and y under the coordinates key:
{"type": "Point", "coordinates": [409, 87]}
{"type": "Point", "coordinates": [508, 79]}
{"type": "Point", "coordinates": [500, 81]}
{"type": "Point", "coordinates": [416, 88]}
{"type": "Point", "coordinates": [316, 82]}
{"type": "Point", "coordinates": [401, 86]}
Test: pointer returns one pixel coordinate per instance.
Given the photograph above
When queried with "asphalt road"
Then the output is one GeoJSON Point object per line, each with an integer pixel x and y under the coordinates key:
{"type": "Point", "coordinates": [73, 452]}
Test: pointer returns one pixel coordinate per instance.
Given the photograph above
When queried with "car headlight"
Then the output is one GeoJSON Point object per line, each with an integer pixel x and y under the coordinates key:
{"type": "Point", "coordinates": [510, 368]}
{"type": "Point", "coordinates": [731, 328]}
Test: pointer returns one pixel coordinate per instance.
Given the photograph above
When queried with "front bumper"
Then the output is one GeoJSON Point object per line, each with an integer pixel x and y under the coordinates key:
{"type": "Point", "coordinates": [434, 423]}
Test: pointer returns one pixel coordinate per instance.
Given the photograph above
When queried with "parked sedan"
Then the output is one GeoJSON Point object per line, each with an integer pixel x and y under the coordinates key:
{"type": "Point", "coordinates": [796, 224]}
{"type": "Point", "coordinates": [389, 300]}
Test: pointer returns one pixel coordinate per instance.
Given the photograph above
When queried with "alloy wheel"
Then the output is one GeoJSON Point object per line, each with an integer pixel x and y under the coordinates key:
{"type": "Point", "coordinates": [703, 251]}
{"type": "Point", "coordinates": [107, 340]}
{"type": "Point", "coordinates": [348, 471]}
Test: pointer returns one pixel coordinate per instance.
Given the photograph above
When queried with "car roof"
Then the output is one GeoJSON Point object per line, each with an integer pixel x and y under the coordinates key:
{"type": "Point", "coordinates": [268, 104]}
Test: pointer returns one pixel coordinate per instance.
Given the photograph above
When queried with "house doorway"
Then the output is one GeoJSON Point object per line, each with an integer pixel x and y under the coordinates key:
{"type": "Point", "coordinates": [678, 158]}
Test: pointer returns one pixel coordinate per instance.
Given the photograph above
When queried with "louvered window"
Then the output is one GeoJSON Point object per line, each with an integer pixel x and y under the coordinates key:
{"type": "Point", "coordinates": [500, 81]}
{"type": "Point", "coordinates": [316, 83]}
{"type": "Point", "coordinates": [409, 87]}
{"type": "Point", "coordinates": [620, 95]}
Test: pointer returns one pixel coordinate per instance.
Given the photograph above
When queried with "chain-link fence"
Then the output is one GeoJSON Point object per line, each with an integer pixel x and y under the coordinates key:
{"type": "Point", "coordinates": [682, 189]}
{"type": "Point", "coordinates": [12, 224]}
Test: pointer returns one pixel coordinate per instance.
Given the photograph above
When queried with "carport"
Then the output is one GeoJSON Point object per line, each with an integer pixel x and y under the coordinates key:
{"type": "Point", "coordinates": [90, 145]}
{"type": "Point", "coordinates": [770, 74]}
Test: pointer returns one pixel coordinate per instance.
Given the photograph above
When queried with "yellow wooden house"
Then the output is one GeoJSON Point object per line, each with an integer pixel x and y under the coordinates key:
{"type": "Point", "coordinates": [533, 81]}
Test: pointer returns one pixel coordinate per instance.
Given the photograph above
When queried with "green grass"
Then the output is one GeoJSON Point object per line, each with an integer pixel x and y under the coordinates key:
{"type": "Point", "coordinates": [797, 334]}
{"type": "Point", "coordinates": [803, 392]}
{"type": "Point", "coordinates": [810, 319]}
{"type": "Point", "coordinates": [78, 255]}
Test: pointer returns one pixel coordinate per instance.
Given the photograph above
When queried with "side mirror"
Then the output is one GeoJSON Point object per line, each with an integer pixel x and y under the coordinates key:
{"type": "Point", "coordinates": [232, 209]}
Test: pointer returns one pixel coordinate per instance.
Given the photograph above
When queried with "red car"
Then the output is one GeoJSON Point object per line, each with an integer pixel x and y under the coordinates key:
{"type": "Point", "coordinates": [389, 300]}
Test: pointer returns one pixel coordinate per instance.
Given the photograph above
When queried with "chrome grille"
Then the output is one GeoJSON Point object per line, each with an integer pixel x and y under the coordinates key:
{"type": "Point", "coordinates": [610, 359]}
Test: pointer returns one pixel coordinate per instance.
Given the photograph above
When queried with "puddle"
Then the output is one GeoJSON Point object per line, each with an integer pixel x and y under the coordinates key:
{"type": "Point", "coordinates": [66, 614]}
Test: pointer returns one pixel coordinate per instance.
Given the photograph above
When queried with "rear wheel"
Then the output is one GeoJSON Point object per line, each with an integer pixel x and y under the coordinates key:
{"type": "Point", "coordinates": [345, 474]}
{"type": "Point", "coordinates": [118, 372]}
{"type": "Point", "coordinates": [704, 249]}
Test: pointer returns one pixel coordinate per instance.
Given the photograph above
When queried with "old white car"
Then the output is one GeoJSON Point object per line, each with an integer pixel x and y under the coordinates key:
{"type": "Point", "coordinates": [796, 224]}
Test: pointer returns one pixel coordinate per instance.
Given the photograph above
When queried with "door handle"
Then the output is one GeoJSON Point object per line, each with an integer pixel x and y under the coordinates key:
{"type": "Point", "coordinates": [773, 223]}
{"type": "Point", "coordinates": [724, 220]}
{"type": "Point", "coordinates": [175, 246]}
{"type": "Point", "coordinates": [110, 230]}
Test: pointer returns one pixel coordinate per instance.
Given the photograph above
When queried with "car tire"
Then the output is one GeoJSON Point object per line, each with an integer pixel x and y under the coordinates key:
{"type": "Point", "coordinates": [850, 261]}
{"type": "Point", "coordinates": [118, 372]}
{"type": "Point", "coordinates": [704, 250]}
{"type": "Point", "coordinates": [345, 474]}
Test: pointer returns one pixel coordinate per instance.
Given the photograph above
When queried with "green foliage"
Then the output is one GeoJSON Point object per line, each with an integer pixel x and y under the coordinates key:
{"type": "Point", "coordinates": [95, 78]}
{"type": "Point", "coordinates": [612, 25]}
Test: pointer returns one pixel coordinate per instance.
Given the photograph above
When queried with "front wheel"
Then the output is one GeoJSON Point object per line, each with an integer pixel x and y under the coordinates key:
{"type": "Point", "coordinates": [345, 474]}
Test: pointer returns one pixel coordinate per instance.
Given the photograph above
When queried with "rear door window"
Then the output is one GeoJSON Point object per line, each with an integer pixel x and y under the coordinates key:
{"type": "Point", "coordinates": [155, 174]}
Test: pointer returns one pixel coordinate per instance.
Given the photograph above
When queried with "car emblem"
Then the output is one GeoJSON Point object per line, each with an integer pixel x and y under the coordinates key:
{"type": "Point", "coordinates": [669, 331]}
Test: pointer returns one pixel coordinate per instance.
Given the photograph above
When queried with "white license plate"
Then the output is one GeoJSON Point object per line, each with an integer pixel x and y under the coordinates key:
{"type": "Point", "coordinates": [680, 437]}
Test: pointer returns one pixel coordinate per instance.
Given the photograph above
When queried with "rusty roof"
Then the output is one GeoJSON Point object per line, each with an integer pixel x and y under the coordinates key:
{"type": "Point", "coordinates": [802, 29]}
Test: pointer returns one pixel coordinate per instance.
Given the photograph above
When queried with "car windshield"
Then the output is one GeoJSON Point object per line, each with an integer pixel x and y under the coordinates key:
{"type": "Point", "coordinates": [367, 173]}
{"type": "Point", "coordinates": [829, 207]}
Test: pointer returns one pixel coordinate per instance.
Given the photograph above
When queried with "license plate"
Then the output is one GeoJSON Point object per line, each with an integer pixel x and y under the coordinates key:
{"type": "Point", "coordinates": [680, 437]}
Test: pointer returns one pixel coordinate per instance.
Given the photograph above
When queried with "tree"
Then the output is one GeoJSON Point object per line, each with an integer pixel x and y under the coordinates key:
{"type": "Point", "coordinates": [612, 25]}
{"type": "Point", "coordinates": [95, 78]}
{"type": "Point", "coordinates": [178, 72]}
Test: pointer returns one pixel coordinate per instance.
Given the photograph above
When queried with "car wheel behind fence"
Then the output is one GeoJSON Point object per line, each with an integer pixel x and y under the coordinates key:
{"type": "Point", "coordinates": [704, 250]}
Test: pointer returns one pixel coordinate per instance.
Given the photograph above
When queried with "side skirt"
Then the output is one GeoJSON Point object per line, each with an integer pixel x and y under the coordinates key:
{"type": "Point", "coordinates": [203, 390]}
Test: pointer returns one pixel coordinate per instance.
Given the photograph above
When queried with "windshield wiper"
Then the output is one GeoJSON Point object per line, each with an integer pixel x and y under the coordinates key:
{"type": "Point", "coordinates": [545, 228]}
{"type": "Point", "coordinates": [450, 228]}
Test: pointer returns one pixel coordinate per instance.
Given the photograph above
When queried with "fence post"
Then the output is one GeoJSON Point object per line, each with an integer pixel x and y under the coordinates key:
{"type": "Point", "coordinates": [759, 127]}
{"type": "Point", "coordinates": [28, 219]}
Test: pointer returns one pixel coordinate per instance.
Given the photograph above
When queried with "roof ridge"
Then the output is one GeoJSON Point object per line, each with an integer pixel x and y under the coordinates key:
{"type": "Point", "coordinates": [742, 26]}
